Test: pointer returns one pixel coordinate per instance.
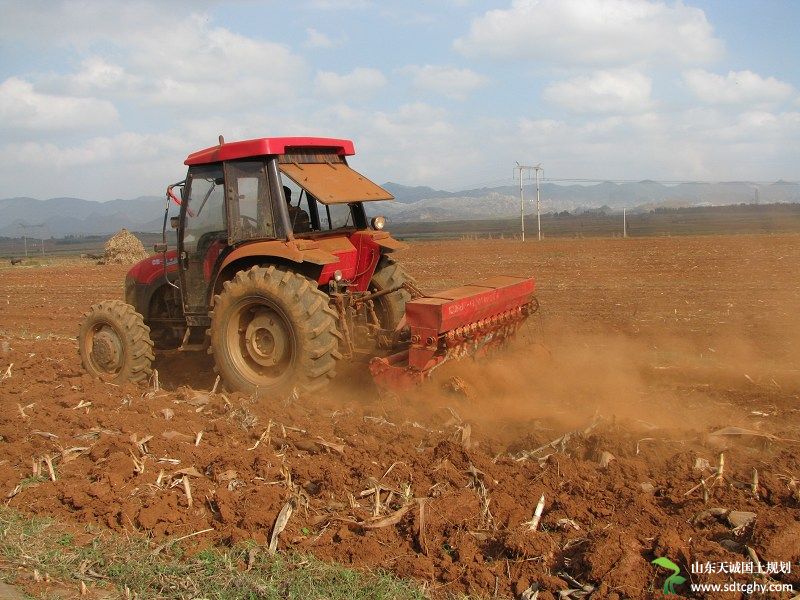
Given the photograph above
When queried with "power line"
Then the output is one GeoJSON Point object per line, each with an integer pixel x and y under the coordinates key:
{"type": "Point", "coordinates": [665, 181]}
{"type": "Point", "coordinates": [513, 180]}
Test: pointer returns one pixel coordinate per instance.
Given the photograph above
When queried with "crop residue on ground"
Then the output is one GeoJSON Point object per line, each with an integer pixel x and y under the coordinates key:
{"type": "Point", "coordinates": [652, 402]}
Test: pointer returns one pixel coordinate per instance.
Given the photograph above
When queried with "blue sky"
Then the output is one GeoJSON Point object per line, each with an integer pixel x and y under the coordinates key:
{"type": "Point", "coordinates": [104, 100]}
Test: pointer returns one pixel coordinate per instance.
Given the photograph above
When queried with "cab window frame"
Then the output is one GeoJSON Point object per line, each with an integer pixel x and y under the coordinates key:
{"type": "Point", "coordinates": [266, 227]}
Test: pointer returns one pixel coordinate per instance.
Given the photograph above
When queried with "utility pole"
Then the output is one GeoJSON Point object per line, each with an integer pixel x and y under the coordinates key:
{"type": "Point", "coordinates": [25, 227]}
{"type": "Point", "coordinates": [521, 202]}
{"type": "Point", "coordinates": [520, 168]}
{"type": "Point", "coordinates": [538, 168]}
{"type": "Point", "coordinates": [624, 223]}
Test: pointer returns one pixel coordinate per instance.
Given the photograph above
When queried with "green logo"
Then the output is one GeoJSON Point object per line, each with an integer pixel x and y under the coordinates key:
{"type": "Point", "coordinates": [672, 580]}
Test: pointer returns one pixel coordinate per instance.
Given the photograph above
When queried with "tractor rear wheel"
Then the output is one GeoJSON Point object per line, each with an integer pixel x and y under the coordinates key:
{"type": "Point", "coordinates": [391, 307]}
{"type": "Point", "coordinates": [272, 332]}
{"type": "Point", "coordinates": [114, 343]}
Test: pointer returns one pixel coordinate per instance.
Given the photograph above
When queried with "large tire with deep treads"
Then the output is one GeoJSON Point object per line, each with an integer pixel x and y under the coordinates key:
{"type": "Point", "coordinates": [391, 307]}
{"type": "Point", "coordinates": [114, 343]}
{"type": "Point", "coordinates": [272, 331]}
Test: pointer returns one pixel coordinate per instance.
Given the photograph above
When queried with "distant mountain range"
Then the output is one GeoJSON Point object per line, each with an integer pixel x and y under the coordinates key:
{"type": "Point", "coordinates": [58, 217]}
{"type": "Point", "coordinates": [421, 203]}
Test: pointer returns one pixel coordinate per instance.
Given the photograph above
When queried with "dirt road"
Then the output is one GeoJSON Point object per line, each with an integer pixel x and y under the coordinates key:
{"type": "Point", "coordinates": [650, 363]}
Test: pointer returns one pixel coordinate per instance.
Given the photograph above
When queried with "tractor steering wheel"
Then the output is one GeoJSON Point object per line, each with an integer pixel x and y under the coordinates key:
{"type": "Point", "coordinates": [249, 223]}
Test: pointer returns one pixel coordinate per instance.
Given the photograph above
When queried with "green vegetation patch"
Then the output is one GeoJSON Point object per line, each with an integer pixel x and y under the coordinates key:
{"type": "Point", "coordinates": [134, 564]}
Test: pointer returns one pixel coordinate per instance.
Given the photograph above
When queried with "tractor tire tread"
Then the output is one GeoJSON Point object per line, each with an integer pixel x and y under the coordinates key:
{"type": "Point", "coordinates": [135, 337]}
{"type": "Point", "coordinates": [389, 274]}
{"type": "Point", "coordinates": [306, 307]}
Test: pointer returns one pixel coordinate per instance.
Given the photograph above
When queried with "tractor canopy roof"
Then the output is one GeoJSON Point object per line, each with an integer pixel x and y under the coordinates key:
{"type": "Point", "coordinates": [329, 181]}
{"type": "Point", "coordinates": [265, 146]}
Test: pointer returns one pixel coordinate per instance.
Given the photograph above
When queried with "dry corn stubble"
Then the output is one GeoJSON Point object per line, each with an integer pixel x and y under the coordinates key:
{"type": "Point", "coordinates": [659, 400]}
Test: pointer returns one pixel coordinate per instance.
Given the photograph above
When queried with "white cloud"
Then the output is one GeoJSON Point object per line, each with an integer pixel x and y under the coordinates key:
{"type": "Point", "coordinates": [605, 91]}
{"type": "Point", "coordinates": [125, 165]}
{"type": "Point", "coordinates": [593, 32]}
{"type": "Point", "coordinates": [196, 79]}
{"type": "Point", "coordinates": [98, 74]}
{"type": "Point", "coordinates": [122, 149]}
{"type": "Point", "coordinates": [448, 81]}
{"type": "Point", "coordinates": [781, 130]}
{"type": "Point", "coordinates": [81, 24]}
{"type": "Point", "coordinates": [339, 4]}
{"type": "Point", "coordinates": [22, 107]}
{"type": "Point", "coordinates": [359, 82]}
{"type": "Point", "coordinates": [414, 143]}
{"type": "Point", "coordinates": [194, 64]}
{"type": "Point", "coordinates": [317, 39]}
{"type": "Point", "coordinates": [188, 64]}
{"type": "Point", "coordinates": [737, 87]}
{"type": "Point", "coordinates": [694, 144]}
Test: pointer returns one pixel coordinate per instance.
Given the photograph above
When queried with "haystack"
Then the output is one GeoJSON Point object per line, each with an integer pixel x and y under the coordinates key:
{"type": "Point", "coordinates": [123, 248]}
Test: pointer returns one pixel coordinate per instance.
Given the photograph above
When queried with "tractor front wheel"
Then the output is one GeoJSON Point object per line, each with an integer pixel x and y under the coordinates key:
{"type": "Point", "coordinates": [114, 343]}
{"type": "Point", "coordinates": [272, 331]}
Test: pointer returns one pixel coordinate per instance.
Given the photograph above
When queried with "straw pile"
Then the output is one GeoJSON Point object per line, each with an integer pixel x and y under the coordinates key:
{"type": "Point", "coordinates": [123, 248]}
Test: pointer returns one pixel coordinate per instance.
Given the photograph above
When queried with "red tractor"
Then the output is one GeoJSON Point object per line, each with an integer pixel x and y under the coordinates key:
{"type": "Point", "coordinates": [279, 274]}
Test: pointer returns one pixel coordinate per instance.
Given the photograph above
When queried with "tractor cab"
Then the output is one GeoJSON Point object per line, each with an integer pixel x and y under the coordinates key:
{"type": "Point", "coordinates": [260, 190]}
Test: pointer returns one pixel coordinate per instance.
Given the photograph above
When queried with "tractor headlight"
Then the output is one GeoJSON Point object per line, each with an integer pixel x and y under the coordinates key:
{"type": "Point", "coordinates": [337, 275]}
{"type": "Point", "coordinates": [378, 223]}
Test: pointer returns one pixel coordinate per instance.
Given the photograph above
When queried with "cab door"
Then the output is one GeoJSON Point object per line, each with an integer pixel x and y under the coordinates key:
{"type": "Point", "coordinates": [204, 235]}
{"type": "Point", "coordinates": [250, 208]}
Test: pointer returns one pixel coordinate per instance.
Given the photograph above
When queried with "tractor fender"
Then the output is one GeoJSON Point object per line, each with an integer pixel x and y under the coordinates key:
{"type": "Point", "coordinates": [146, 277]}
{"type": "Point", "coordinates": [297, 251]}
{"type": "Point", "coordinates": [150, 269]}
{"type": "Point", "coordinates": [385, 240]}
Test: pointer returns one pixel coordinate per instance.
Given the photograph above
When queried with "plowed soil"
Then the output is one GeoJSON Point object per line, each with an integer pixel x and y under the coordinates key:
{"type": "Point", "coordinates": [650, 362]}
